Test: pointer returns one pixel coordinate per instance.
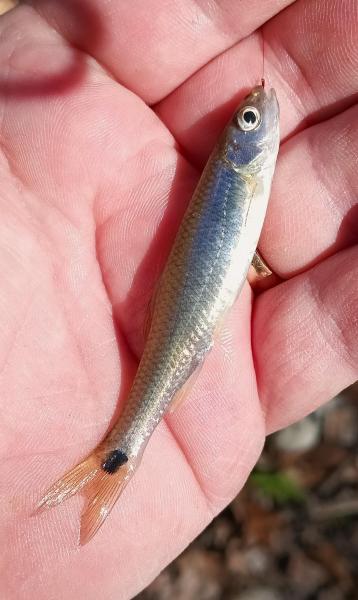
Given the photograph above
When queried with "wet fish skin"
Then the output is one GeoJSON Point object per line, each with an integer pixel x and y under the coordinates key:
{"type": "Point", "coordinates": [205, 272]}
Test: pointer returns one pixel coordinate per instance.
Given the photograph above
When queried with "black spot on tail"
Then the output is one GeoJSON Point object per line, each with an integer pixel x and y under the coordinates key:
{"type": "Point", "coordinates": [114, 460]}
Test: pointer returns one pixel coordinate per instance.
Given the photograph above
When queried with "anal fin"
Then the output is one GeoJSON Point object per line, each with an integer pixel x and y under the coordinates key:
{"type": "Point", "coordinates": [261, 268]}
{"type": "Point", "coordinates": [149, 312]}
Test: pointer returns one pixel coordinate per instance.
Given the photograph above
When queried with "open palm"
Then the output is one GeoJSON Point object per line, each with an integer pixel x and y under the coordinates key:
{"type": "Point", "coordinates": [107, 114]}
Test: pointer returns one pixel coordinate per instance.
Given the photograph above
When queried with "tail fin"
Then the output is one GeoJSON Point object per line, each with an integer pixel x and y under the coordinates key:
{"type": "Point", "coordinates": [101, 489]}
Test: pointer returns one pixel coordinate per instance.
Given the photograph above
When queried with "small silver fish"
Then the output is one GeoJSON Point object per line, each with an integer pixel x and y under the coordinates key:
{"type": "Point", "coordinates": [205, 272]}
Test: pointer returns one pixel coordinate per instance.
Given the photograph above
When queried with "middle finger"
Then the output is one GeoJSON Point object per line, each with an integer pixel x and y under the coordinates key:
{"type": "Point", "coordinates": [310, 85]}
{"type": "Point", "coordinates": [313, 207]}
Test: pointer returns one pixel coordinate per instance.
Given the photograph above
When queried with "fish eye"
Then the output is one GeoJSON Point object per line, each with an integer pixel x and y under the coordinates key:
{"type": "Point", "coordinates": [248, 118]}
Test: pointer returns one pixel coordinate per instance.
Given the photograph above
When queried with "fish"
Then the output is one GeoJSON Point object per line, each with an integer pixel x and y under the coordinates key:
{"type": "Point", "coordinates": [205, 271]}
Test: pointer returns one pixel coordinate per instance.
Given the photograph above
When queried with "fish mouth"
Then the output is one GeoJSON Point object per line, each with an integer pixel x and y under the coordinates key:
{"type": "Point", "coordinates": [272, 99]}
{"type": "Point", "coordinates": [272, 107]}
{"type": "Point", "coordinates": [266, 102]}
{"type": "Point", "coordinates": [261, 96]}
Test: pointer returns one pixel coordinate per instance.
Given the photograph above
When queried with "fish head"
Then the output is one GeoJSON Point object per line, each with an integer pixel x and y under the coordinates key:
{"type": "Point", "coordinates": [251, 138]}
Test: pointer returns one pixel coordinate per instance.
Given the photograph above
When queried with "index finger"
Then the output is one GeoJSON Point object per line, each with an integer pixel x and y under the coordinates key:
{"type": "Point", "coordinates": [152, 46]}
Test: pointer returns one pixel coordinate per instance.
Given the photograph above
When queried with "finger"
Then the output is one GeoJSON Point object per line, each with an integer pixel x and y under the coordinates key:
{"type": "Point", "coordinates": [305, 339]}
{"type": "Point", "coordinates": [313, 206]}
{"type": "Point", "coordinates": [152, 46]}
{"type": "Point", "coordinates": [311, 59]}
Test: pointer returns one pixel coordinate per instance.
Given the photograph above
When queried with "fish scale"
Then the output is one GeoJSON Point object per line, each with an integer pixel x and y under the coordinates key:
{"type": "Point", "coordinates": [205, 272]}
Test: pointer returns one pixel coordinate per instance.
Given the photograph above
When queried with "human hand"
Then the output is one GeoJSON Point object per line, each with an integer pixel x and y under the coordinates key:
{"type": "Point", "coordinates": [93, 185]}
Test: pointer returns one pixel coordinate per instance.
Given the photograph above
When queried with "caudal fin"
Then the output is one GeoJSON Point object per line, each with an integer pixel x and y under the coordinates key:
{"type": "Point", "coordinates": [101, 487]}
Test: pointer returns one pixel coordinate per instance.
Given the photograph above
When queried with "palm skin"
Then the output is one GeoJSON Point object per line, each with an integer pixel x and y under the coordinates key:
{"type": "Point", "coordinates": [94, 182]}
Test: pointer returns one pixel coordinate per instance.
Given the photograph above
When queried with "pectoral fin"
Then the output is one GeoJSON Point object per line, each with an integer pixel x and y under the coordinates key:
{"type": "Point", "coordinates": [261, 268]}
{"type": "Point", "coordinates": [260, 276]}
{"type": "Point", "coordinates": [149, 313]}
{"type": "Point", "coordinates": [258, 272]}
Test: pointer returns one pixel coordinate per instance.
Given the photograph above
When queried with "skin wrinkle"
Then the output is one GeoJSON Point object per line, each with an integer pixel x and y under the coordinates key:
{"type": "Point", "coordinates": [319, 169]}
{"type": "Point", "coordinates": [26, 187]}
{"type": "Point", "coordinates": [195, 475]}
{"type": "Point", "coordinates": [340, 349]}
{"type": "Point", "coordinates": [262, 404]}
{"type": "Point", "coordinates": [313, 147]}
{"type": "Point", "coordinates": [79, 350]}
{"type": "Point", "coordinates": [112, 217]}
{"type": "Point", "coordinates": [347, 139]}
{"type": "Point", "coordinates": [5, 152]}
{"type": "Point", "coordinates": [18, 330]}
{"type": "Point", "coordinates": [300, 74]}
{"type": "Point", "coordinates": [117, 320]}
{"type": "Point", "coordinates": [299, 104]}
{"type": "Point", "coordinates": [101, 223]}
{"type": "Point", "coordinates": [277, 309]}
